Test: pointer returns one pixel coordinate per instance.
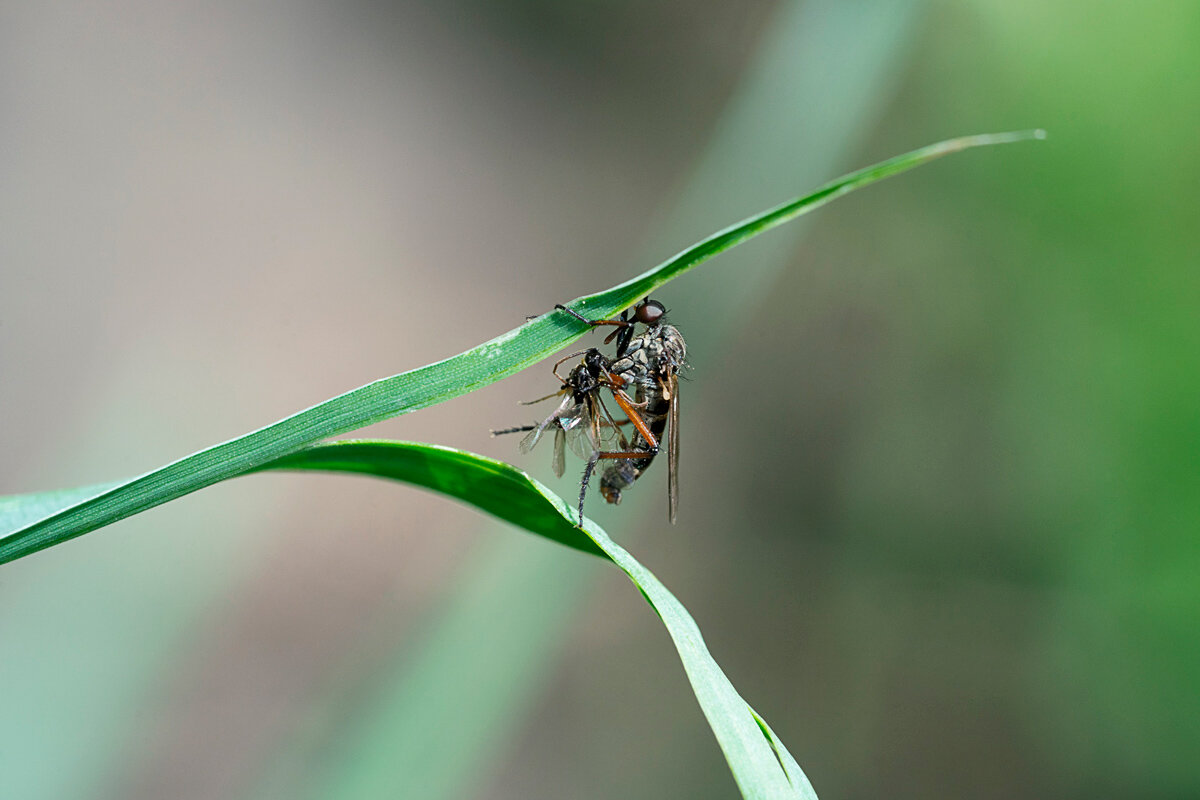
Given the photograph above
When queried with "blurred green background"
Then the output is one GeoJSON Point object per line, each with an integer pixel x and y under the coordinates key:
{"type": "Point", "coordinates": [940, 485]}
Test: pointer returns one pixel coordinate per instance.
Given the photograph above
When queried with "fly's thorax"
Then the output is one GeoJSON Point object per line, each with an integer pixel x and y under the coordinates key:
{"type": "Point", "coordinates": [659, 351]}
{"type": "Point", "coordinates": [635, 364]}
{"type": "Point", "coordinates": [672, 346]}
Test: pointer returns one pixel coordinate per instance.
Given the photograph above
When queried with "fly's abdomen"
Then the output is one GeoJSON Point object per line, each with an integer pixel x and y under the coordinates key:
{"type": "Point", "coordinates": [622, 474]}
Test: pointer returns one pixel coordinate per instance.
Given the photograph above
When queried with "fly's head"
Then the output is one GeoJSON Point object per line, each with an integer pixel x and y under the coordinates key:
{"type": "Point", "coordinates": [649, 312]}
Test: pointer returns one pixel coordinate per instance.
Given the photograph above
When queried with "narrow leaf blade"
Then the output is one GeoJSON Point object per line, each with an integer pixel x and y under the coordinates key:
{"type": "Point", "coordinates": [760, 763]}
{"type": "Point", "coordinates": [438, 382]}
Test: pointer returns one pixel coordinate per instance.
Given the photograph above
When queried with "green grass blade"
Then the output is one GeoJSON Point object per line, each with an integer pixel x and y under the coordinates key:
{"type": "Point", "coordinates": [760, 763]}
{"type": "Point", "coordinates": [492, 486]}
{"type": "Point", "coordinates": [794, 773]}
{"type": "Point", "coordinates": [438, 382]}
{"type": "Point", "coordinates": [625, 294]}
{"type": "Point", "coordinates": [17, 511]}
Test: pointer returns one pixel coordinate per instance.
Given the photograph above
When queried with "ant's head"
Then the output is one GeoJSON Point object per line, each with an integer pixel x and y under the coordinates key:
{"type": "Point", "coordinates": [585, 378]}
{"type": "Point", "coordinates": [649, 312]}
{"type": "Point", "coordinates": [595, 362]}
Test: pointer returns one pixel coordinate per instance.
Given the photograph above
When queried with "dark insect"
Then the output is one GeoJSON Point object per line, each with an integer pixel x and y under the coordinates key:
{"type": "Point", "coordinates": [582, 420]}
{"type": "Point", "coordinates": [647, 364]}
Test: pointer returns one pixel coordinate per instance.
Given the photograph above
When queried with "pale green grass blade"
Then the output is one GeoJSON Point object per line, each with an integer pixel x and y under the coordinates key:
{"type": "Point", "coordinates": [794, 773]}
{"type": "Point", "coordinates": [760, 763]}
{"type": "Point", "coordinates": [431, 720]}
{"type": "Point", "coordinates": [17, 511]}
{"type": "Point", "coordinates": [434, 383]}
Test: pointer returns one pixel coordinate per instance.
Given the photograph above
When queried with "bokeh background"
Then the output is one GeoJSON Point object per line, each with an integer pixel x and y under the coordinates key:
{"type": "Point", "coordinates": [940, 478]}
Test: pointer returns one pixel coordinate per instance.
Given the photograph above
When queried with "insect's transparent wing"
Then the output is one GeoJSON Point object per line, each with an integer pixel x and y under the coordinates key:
{"type": "Point", "coordinates": [579, 432]}
{"type": "Point", "coordinates": [559, 462]}
{"type": "Point", "coordinates": [530, 440]}
{"type": "Point", "coordinates": [590, 431]}
{"type": "Point", "coordinates": [534, 436]}
{"type": "Point", "coordinates": [611, 435]}
{"type": "Point", "coordinates": [673, 450]}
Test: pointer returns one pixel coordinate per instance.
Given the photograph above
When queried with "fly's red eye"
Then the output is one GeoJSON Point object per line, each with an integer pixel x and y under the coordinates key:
{"type": "Point", "coordinates": [649, 312]}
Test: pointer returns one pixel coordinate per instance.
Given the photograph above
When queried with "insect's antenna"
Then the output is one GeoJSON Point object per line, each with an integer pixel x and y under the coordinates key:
{"type": "Point", "coordinates": [567, 357]}
{"type": "Point", "coordinates": [559, 393]}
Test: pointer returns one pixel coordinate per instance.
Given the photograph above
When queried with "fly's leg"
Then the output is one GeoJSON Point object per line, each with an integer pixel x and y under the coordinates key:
{"type": "Point", "coordinates": [595, 458]}
{"type": "Point", "coordinates": [623, 332]}
{"type": "Point", "coordinates": [620, 323]}
{"type": "Point", "coordinates": [649, 452]}
{"type": "Point", "coordinates": [629, 407]}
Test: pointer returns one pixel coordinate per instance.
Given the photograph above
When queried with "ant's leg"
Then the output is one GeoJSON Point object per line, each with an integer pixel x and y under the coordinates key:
{"type": "Point", "coordinates": [587, 478]}
{"type": "Point", "coordinates": [521, 429]}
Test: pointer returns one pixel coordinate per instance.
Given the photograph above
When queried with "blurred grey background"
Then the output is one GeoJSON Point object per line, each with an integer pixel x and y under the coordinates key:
{"type": "Point", "coordinates": [939, 479]}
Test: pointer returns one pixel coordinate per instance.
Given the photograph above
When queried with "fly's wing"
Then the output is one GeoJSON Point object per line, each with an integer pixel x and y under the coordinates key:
{"type": "Point", "coordinates": [559, 462]}
{"type": "Point", "coordinates": [673, 450]}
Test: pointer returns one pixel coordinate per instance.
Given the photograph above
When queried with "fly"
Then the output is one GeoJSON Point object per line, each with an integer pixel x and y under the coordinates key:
{"type": "Point", "coordinates": [582, 420]}
{"type": "Point", "coordinates": [650, 364]}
